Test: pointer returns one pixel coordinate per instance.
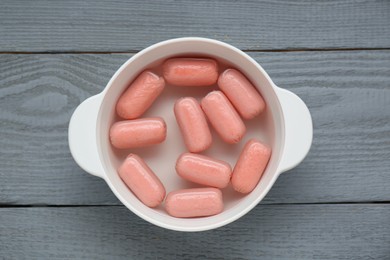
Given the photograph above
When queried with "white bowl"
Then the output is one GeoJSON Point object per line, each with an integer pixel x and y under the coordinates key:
{"type": "Point", "coordinates": [286, 126]}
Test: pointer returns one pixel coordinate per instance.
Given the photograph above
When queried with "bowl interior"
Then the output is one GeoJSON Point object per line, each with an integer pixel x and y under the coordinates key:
{"type": "Point", "coordinates": [162, 158]}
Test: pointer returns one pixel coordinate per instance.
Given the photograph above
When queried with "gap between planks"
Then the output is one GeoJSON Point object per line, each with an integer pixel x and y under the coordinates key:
{"type": "Point", "coordinates": [269, 204]}
{"type": "Point", "coordinates": [244, 50]}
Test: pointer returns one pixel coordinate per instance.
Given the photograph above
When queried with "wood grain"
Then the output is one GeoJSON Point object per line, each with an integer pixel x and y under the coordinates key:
{"type": "Point", "coordinates": [348, 94]}
{"type": "Point", "coordinates": [268, 232]}
{"type": "Point", "coordinates": [121, 25]}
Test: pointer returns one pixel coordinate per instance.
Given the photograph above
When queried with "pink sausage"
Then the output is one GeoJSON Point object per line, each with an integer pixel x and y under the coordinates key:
{"type": "Point", "coordinates": [223, 117]}
{"type": "Point", "coordinates": [193, 124]}
{"type": "Point", "coordinates": [138, 133]}
{"type": "Point", "coordinates": [190, 203]}
{"type": "Point", "coordinates": [142, 181]}
{"type": "Point", "coordinates": [189, 72]}
{"type": "Point", "coordinates": [241, 93]}
{"type": "Point", "coordinates": [140, 95]}
{"type": "Point", "coordinates": [250, 166]}
{"type": "Point", "coordinates": [204, 170]}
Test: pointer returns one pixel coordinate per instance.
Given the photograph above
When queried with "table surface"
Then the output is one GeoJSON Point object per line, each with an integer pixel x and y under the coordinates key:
{"type": "Point", "coordinates": [334, 54]}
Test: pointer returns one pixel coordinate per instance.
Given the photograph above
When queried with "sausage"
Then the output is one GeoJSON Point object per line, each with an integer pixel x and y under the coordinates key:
{"type": "Point", "coordinates": [250, 166]}
{"type": "Point", "coordinates": [223, 117]}
{"type": "Point", "coordinates": [189, 203]}
{"type": "Point", "coordinates": [138, 133]}
{"type": "Point", "coordinates": [189, 72]}
{"type": "Point", "coordinates": [193, 124]}
{"type": "Point", "coordinates": [204, 170]}
{"type": "Point", "coordinates": [140, 95]}
{"type": "Point", "coordinates": [142, 181]}
{"type": "Point", "coordinates": [241, 93]}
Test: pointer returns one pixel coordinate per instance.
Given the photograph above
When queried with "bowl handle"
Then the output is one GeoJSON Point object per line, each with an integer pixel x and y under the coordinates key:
{"type": "Point", "coordinates": [298, 129]}
{"type": "Point", "coordinates": [82, 136]}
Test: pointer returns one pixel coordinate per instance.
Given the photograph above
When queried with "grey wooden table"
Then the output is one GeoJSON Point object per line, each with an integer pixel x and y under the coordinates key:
{"type": "Point", "coordinates": [334, 54]}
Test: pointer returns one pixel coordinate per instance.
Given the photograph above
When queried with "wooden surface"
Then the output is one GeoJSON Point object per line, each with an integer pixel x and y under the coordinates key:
{"type": "Point", "coordinates": [335, 205]}
{"type": "Point", "coordinates": [347, 93]}
{"type": "Point", "coordinates": [268, 232]}
{"type": "Point", "coordinates": [124, 25]}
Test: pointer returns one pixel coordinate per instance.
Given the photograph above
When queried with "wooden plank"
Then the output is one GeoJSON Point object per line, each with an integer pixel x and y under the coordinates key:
{"type": "Point", "coordinates": [348, 94]}
{"type": "Point", "coordinates": [268, 232]}
{"type": "Point", "coordinates": [122, 25]}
